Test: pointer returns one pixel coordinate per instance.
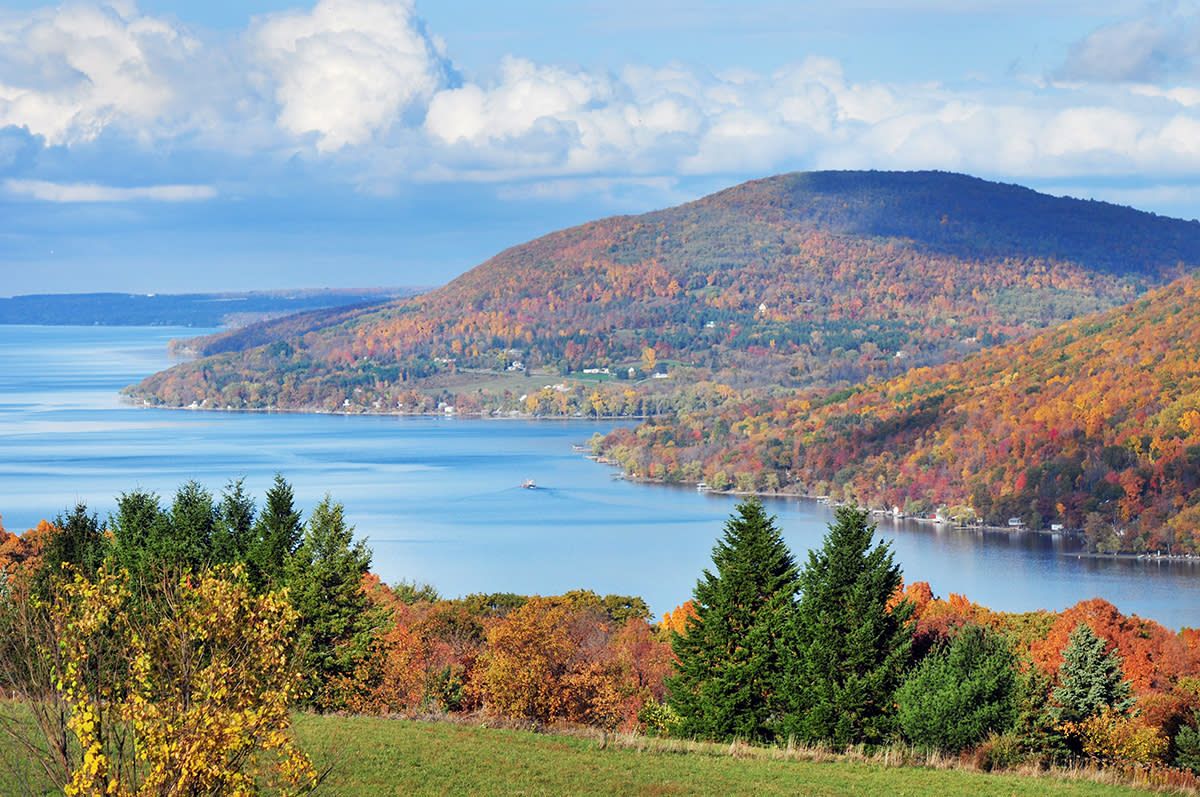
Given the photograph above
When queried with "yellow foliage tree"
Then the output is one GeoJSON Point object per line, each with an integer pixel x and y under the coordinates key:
{"type": "Point", "coordinates": [1111, 736]}
{"type": "Point", "coordinates": [204, 706]}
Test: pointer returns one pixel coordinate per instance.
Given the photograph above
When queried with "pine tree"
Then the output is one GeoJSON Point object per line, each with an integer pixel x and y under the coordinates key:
{"type": "Point", "coordinates": [137, 526]}
{"type": "Point", "coordinates": [850, 649]}
{"type": "Point", "coordinates": [1090, 679]}
{"type": "Point", "coordinates": [958, 695]}
{"type": "Point", "coordinates": [233, 534]}
{"type": "Point", "coordinates": [324, 579]}
{"type": "Point", "coordinates": [193, 518]}
{"type": "Point", "coordinates": [1187, 745]}
{"type": "Point", "coordinates": [276, 535]}
{"type": "Point", "coordinates": [729, 659]}
{"type": "Point", "coordinates": [77, 541]}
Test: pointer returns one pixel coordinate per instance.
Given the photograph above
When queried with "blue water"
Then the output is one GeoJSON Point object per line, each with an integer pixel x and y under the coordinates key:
{"type": "Point", "coordinates": [439, 499]}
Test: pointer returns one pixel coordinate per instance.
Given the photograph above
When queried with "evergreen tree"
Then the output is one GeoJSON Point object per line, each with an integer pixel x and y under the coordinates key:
{"type": "Point", "coordinates": [78, 541]}
{"type": "Point", "coordinates": [958, 695]}
{"type": "Point", "coordinates": [276, 535]}
{"type": "Point", "coordinates": [727, 684]}
{"type": "Point", "coordinates": [193, 519]}
{"type": "Point", "coordinates": [850, 649]}
{"type": "Point", "coordinates": [1187, 745]}
{"type": "Point", "coordinates": [1089, 679]}
{"type": "Point", "coordinates": [233, 533]}
{"type": "Point", "coordinates": [137, 526]}
{"type": "Point", "coordinates": [1035, 728]}
{"type": "Point", "coordinates": [324, 578]}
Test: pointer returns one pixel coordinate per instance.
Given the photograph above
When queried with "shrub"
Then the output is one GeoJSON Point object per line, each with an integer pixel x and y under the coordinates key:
{"type": "Point", "coordinates": [1112, 737]}
{"type": "Point", "coordinates": [1000, 751]}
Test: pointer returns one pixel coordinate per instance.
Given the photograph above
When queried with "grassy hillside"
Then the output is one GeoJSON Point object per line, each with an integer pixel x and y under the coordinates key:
{"type": "Point", "coordinates": [1095, 424]}
{"type": "Point", "coordinates": [371, 756]}
{"type": "Point", "coordinates": [376, 756]}
{"type": "Point", "coordinates": [796, 280]}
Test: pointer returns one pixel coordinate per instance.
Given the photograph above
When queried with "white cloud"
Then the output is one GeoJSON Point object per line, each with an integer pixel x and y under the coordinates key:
{"type": "Point", "coordinates": [1163, 41]}
{"type": "Point", "coordinates": [359, 91]}
{"type": "Point", "coordinates": [66, 74]}
{"type": "Point", "coordinates": [91, 192]}
{"type": "Point", "coordinates": [349, 69]}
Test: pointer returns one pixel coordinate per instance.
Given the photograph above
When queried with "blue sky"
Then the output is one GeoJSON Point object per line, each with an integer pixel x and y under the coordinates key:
{"type": "Point", "coordinates": [168, 145]}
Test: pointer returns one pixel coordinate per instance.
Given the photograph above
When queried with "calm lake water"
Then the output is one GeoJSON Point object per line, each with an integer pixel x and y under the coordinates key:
{"type": "Point", "coordinates": [439, 499]}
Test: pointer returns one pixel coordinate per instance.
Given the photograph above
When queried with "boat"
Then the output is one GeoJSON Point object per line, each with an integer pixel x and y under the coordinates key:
{"type": "Point", "coordinates": [703, 487]}
{"type": "Point", "coordinates": [528, 484]}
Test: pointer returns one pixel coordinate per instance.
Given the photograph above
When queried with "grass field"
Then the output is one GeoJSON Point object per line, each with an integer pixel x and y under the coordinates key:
{"type": "Point", "coordinates": [391, 757]}
{"type": "Point", "coordinates": [370, 756]}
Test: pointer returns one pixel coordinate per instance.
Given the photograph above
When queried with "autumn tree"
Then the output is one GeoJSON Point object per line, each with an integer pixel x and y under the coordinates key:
{"type": "Point", "coordinates": [730, 659]}
{"type": "Point", "coordinates": [850, 646]}
{"type": "Point", "coordinates": [191, 697]}
{"type": "Point", "coordinates": [959, 694]}
{"type": "Point", "coordinates": [324, 578]}
{"type": "Point", "coordinates": [528, 655]}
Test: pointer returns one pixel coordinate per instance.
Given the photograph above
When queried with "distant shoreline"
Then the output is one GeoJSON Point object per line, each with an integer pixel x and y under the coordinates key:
{"type": "Point", "coordinates": [517, 415]}
{"type": "Point", "coordinates": [514, 415]}
{"type": "Point", "coordinates": [1140, 557]}
{"type": "Point", "coordinates": [818, 499]}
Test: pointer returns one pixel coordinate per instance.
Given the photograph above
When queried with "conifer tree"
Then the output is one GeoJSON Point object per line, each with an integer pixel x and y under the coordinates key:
{"type": "Point", "coordinates": [233, 534]}
{"type": "Point", "coordinates": [1187, 744]}
{"type": "Point", "coordinates": [193, 518]}
{"type": "Point", "coordinates": [850, 649]}
{"type": "Point", "coordinates": [1090, 679]}
{"type": "Point", "coordinates": [137, 527]}
{"type": "Point", "coordinates": [324, 579]}
{"type": "Point", "coordinates": [276, 535]}
{"type": "Point", "coordinates": [727, 684]}
{"type": "Point", "coordinates": [958, 695]}
{"type": "Point", "coordinates": [77, 541]}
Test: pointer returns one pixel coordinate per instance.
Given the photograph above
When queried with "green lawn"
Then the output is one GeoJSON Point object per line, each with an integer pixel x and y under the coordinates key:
{"type": "Point", "coordinates": [393, 757]}
{"type": "Point", "coordinates": [371, 756]}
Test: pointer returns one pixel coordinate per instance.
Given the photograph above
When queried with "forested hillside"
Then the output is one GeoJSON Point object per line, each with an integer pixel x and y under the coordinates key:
{"type": "Point", "coordinates": [797, 280]}
{"type": "Point", "coordinates": [1094, 425]}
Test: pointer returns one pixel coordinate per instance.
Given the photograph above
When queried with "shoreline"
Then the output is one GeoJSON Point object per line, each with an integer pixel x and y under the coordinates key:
{"type": "Point", "coordinates": [821, 499]}
{"type": "Point", "coordinates": [1139, 557]}
{"type": "Point", "coordinates": [511, 415]}
{"type": "Point", "coordinates": [517, 415]}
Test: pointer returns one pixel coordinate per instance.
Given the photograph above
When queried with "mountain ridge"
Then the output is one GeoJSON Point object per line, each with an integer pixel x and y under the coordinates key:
{"type": "Point", "coordinates": [796, 280]}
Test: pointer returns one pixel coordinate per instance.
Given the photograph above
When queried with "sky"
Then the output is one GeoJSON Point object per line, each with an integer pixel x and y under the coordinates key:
{"type": "Point", "coordinates": [166, 146]}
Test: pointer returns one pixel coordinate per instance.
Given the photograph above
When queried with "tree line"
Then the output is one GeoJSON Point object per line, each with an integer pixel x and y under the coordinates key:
{"type": "Point", "coordinates": [164, 649]}
{"type": "Point", "coordinates": [833, 653]}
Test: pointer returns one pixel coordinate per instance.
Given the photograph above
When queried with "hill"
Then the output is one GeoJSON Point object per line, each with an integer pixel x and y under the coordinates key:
{"type": "Point", "coordinates": [797, 280]}
{"type": "Point", "coordinates": [1094, 425]}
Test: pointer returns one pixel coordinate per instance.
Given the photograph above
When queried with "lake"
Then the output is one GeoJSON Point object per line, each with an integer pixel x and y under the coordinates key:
{"type": "Point", "coordinates": [439, 499]}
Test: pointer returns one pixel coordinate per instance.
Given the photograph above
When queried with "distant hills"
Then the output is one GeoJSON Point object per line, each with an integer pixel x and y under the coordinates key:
{"type": "Point", "coordinates": [1094, 425]}
{"type": "Point", "coordinates": [181, 310]}
{"type": "Point", "coordinates": [800, 280]}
